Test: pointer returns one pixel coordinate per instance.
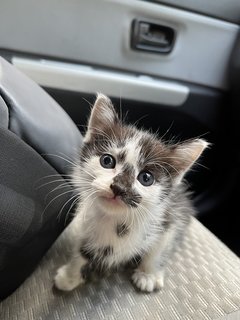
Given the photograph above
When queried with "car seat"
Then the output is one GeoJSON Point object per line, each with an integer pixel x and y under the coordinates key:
{"type": "Point", "coordinates": [37, 142]}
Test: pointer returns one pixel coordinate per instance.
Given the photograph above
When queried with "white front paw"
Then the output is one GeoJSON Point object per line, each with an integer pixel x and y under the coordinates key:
{"type": "Point", "coordinates": [66, 281]}
{"type": "Point", "coordinates": [148, 281]}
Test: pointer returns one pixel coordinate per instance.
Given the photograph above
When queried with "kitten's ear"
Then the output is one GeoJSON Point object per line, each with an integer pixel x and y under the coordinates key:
{"type": "Point", "coordinates": [184, 155]}
{"type": "Point", "coordinates": [103, 115]}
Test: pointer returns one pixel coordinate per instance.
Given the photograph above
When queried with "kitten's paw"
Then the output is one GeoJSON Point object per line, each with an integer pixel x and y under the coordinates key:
{"type": "Point", "coordinates": [148, 281]}
{"type": "Point", "coordinates": [65, 281]}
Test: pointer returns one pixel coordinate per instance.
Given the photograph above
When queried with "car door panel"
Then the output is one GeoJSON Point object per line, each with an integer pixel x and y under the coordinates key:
{"type": "Point", "coordinates": [69, 30]}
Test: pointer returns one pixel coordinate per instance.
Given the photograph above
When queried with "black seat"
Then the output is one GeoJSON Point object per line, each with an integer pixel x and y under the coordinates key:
{"type": "Point", "coordinates": [38, 141]}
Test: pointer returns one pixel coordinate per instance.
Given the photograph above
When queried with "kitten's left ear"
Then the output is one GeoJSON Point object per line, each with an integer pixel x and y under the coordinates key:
{"type": "Point", "coordinates": [103, 115]}
{"type": "Point", "coordinates": [184, 155]}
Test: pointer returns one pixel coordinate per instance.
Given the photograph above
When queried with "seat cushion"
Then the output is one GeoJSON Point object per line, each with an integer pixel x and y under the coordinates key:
{"type": "Point", "coordinates": [202, 282]}
{"type": "Point", "coordinates": [29, 112]}
{"type": "Point", "coordinates": [38, 143]}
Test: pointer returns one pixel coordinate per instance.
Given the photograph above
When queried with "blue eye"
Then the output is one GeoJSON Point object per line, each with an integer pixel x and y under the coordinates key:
{"type": "Point", "coordinates": [107, 161]}
{"type": "Point", "coordinates": [145, 178]}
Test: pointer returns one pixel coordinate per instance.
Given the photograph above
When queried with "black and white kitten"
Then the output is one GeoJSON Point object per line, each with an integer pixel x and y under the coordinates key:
{"type": "Point", "coordinates": [133, 201]}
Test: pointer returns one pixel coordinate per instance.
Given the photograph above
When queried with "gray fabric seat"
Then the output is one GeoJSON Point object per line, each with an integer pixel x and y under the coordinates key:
{"type": "Point", "coordinates": [202, 282]}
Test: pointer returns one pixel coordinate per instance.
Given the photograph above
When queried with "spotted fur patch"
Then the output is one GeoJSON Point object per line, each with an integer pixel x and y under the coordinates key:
{"type": "Point", "coordinates": [121, 157]}
{"type": "Point", "coordinates": [98, 254]}
{"type": "Point", "coordinates": [122, 230]}
{"type": "Point", "coordinates": [95, 266]}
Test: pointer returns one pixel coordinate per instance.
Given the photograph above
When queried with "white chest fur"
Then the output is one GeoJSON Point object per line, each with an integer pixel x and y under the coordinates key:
{"type": "Point", "coordinates": [125, 238]}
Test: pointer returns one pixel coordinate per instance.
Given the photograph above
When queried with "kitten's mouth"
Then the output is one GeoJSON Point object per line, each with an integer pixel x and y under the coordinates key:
{"type": "Point", "coordinates": [113, 200]}
{"type": "Point", "coordinates": [118, 201]}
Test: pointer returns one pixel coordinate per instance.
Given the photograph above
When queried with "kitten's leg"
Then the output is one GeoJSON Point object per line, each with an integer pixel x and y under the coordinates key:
{"type": "Point", "coordinates": [69, 276]}
{"type": "Point", "coordinates": [149, 275]}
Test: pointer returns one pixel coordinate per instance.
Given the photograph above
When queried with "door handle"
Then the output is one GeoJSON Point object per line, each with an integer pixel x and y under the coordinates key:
{"type": "Point", "coordinates": [152, 37]}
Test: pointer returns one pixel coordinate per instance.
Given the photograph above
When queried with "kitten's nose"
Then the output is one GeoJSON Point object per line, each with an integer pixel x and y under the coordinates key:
{"type": "Point", "coordinates": [117, 190]}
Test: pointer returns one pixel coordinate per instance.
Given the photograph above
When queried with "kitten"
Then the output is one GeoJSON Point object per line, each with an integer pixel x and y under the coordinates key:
{"type": "Point", "coordinates": [133, 202]}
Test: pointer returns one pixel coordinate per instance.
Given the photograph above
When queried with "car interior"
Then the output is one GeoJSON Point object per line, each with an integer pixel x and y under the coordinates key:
{"type": "Point", "coordinates": [170, 67]}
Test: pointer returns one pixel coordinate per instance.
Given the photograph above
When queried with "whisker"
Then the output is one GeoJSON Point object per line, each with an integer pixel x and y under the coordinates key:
{"type": "Point", "coordinates": [55, 198]}
{"type": "Point", "coordinates": [69, 210]}
{"type": "Point", "coordinates": [54, 181]}
{"type": "Point", "coordinates": [69, 158]}
{"type": "Point", "coordinates": [60, 212]}
{"type": "Point", "coordinates": [60, 157]}
{"type": "Point", "coordinates": [170, 127]}
{"type": "Point", "coordinates": [63, 185]}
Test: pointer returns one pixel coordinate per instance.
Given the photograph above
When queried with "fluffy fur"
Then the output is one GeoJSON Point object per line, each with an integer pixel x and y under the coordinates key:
{"type": "Point", "coordinates": [118, 218]}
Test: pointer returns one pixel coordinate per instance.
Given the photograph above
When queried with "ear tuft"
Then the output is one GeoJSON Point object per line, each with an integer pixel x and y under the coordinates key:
{"type": "Point", "coordinates": [103, 115]}
{"type": "Point", "coordinates": [194, 149]}
{"type": "Point", "coordinates": [186, 154]}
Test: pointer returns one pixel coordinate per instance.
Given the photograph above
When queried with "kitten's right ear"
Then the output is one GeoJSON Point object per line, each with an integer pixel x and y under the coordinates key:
{"type": "Point", "coordinates": [103, 115]}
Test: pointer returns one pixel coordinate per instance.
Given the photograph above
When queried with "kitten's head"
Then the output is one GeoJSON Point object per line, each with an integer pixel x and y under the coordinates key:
{"type": "Point", "coordinates": [125, 169]}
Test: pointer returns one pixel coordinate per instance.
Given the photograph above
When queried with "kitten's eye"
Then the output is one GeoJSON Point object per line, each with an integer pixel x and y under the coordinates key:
{"type": "Point", "coordinates": [107, 161]}
{"type": "Point", "coordinates": [145, 178]}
